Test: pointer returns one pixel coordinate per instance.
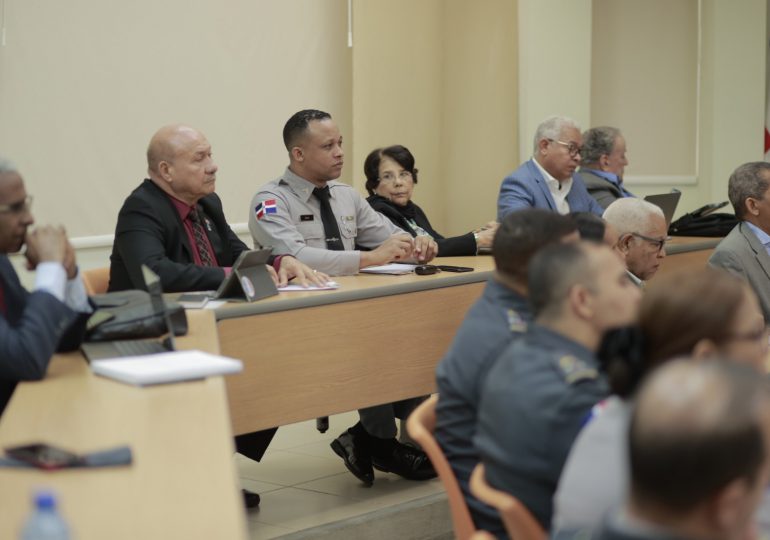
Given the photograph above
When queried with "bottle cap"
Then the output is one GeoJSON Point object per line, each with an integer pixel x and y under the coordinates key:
{"type": "Point", "coordinates": [45, 500]}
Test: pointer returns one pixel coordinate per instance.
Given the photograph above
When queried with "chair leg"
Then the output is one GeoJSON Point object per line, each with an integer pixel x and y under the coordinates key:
{"type": "Point", "coordinates": [322, 424]}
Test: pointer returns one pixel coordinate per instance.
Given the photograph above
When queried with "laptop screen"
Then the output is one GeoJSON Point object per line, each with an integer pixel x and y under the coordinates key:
{"type": "Point", "coordinates": [152, 282]}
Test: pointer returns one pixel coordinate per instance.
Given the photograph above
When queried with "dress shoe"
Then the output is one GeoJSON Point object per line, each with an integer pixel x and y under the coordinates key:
{"type": "Point", "coordinates": [356, 457]}
{"type": "Point", "coordinates": [250, 499]}
{"type": "Point", "coordinates": [406, 461]}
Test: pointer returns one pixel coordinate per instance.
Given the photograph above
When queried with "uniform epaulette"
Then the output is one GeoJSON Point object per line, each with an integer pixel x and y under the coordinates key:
{"type": "Point", "coordinates": [516, 322]}
{"type": "Point", "coordinates": [575, 370]}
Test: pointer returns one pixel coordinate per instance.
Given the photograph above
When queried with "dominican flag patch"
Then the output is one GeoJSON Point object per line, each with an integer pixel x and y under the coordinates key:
{"type": "Point", "coordinates": [265, 207]}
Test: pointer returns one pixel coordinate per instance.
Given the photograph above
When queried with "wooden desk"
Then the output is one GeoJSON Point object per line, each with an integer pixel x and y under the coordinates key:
{"type": "Point", "coordinates": [182, 483]}
{"type": "Point", "coordinates": [687, 252]}
{"type": "Point", "coordinates": [375, 340]}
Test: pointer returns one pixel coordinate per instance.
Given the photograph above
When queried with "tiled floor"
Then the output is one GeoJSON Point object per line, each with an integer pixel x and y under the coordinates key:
{"type": "Point", "coordinates": [304, 484]}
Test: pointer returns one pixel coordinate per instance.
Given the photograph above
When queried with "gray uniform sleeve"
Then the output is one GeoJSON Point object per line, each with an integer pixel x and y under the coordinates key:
{"type": "Point", "coordinates": [284, 231]}
{"type": "Point", "coordinates": [373, 227]}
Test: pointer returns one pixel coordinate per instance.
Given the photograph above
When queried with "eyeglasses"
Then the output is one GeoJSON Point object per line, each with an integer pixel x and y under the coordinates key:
{"type": "Point", "coordinates": [659, 243]}
{"type": "Point", "coordinates": [17, 207]}
{"type": "Point", "coordinates": [572, 149]}
{"type": "Point", "coordinates": [388, 177]}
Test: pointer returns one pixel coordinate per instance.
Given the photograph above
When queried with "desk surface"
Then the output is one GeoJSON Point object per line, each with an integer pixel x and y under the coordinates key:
{"type": "Point", "coordinates": [376, 339]}
{"type": "Point", "coordinates": [182, 483]}
{"type": "Point", "coordinates": [364, 286]}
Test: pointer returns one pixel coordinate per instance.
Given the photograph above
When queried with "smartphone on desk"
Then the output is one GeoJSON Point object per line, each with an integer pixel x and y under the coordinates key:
{"type": "Point", "coordinates": [44, 456]}
{"type": "Point", "coordinates": [450, 268]}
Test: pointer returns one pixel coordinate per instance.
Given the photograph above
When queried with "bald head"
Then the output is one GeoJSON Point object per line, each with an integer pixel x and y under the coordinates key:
{"type": "Point", "coordinates": [179, 161]}
{"type": "Point", "coordinates": [166, 144]}
{"type": "Point", "coordinates": [697, 427]}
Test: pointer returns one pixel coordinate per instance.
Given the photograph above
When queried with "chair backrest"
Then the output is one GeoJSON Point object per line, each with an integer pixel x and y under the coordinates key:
{"type": "Point", "coordinates": [421, 425]}
{"type": "Point", "coordinates": [96, 280]}
{"type": "Point", "coordinates": [519, 522]}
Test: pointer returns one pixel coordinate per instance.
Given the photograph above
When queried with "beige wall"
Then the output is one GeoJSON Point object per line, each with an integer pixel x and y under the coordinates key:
{"type": "Point", "coordinates": [554, 56]}
{"type": "Point", "coordinates": [440, 78]}
{"type": "Point", "coordinates": [397, 89]}
{"type": "Point", "coordinates": [480, 109]}
{"type": "Point", "coordinates": [84, 85]}
{"type": "Point", "coordinates": [650, 90]}
{"type": "Point", "coordinates": [732, 84]}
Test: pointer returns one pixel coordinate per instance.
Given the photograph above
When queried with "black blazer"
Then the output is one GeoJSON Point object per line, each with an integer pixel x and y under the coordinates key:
{"type": "Point", "coordinates": [34, 326]}
{"type": "Point", "coordinates": [447, 247]}
{"type": "Point", "coordinates": [149, 231]}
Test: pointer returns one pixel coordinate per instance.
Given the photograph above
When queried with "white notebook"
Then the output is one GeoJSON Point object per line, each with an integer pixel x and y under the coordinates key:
{"type": "Point", "coordinates": [167, 367]}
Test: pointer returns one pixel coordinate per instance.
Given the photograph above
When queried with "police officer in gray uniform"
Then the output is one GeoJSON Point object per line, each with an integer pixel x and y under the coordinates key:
{"type": "Point", "coordinates": [540, 390]}
{"type": "Point", "coordinates": [289, 212]}
{"type": "Point", "coordinates": [498, 317]}
{"type": "Point", "coordinates": [308, 214]}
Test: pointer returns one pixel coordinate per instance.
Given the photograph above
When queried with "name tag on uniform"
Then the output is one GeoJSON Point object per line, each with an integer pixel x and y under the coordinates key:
{"type": "Point", "coordinates": [348, 218]}
{"type": "Point", "coordinates": [306, 217]}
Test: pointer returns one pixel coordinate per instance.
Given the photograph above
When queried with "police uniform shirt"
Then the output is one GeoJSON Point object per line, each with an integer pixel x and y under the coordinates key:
{"type": "Point", "coordinates": [286, 215]}
{"type": "Point", "coordinates": [534, 401]}
{"type": "Point", "coordinates": [497, 318]}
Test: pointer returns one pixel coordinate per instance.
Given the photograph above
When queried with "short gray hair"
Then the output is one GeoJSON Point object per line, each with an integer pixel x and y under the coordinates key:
{"type": "Point", "coordinates": [631, 215]}
{"type": "Point", "coordinates": [6, 166]}
{"type": "Point", "coordinates": [747, 181]}
{"type": "Point", "coordinates": [551, 128]}
{"type": "Point", "coordinates": [597, 142]}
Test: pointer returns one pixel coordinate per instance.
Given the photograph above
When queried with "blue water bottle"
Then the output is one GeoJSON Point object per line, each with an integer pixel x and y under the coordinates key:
{"type": "Point", "coordinates": [45, 523]}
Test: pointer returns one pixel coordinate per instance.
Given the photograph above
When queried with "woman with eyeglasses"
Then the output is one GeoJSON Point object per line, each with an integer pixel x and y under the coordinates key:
{"type": "Point", "coordinates": [390, 179]}
{"type": "Point", "coordinates": [702, 314]}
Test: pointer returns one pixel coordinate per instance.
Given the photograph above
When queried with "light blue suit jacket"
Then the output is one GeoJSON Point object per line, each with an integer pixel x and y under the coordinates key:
{"type": "Point", "coordinates": [526, 188]}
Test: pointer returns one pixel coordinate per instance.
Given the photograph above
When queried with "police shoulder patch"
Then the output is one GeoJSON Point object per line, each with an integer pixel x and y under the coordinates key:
{"type": "Point", "coordinates": [574, 370]}
{"type": "Point", "coordinates": [515, 322]}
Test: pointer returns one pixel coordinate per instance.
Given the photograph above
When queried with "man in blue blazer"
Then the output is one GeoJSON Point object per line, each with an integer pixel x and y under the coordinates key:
{"type": "Point", "coordinates": [548, 180]}
{"type": "Point", "coordinates": [34, 325]}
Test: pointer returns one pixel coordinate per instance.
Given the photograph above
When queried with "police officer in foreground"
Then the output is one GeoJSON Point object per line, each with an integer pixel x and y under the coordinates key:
{"type": "Point", "coordinates": [491, 324]}
{"type": "Point", "coordinates": [540, 390]}
{"type": "Point", "coordinates": [307, 213]}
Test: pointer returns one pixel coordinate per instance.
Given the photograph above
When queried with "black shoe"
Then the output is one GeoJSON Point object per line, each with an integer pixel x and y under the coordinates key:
{"type": "Point", "coordinates": [407, 461]}
{"type": "Point", "coordinates": [356, 457]}
{"type": "Point", "coordinates": [250, 499]}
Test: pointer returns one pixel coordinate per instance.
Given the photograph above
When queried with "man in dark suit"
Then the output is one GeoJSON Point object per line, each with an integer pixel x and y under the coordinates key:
{"type": "Point", "coordinates": [604, 161]}
{"type": "Point", "coordinates": [174, 222]}
{"type": "Point", "coordinates": [34, 325]}
{"type": "Point", "coordinates": [549, 180]}
{"type": "Point", "coordinates": [746, 250]}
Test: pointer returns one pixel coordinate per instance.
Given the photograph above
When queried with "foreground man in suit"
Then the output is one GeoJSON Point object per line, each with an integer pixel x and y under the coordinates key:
{"type": "Point", "coordinates": [174, 222]}
{"type": "Point", "coordinates": [717, 411]}
{"type": "Point", "coordinates": [746, 250]}
{"type": "Point", "coordinates": [34, 325]}
{"type": "Point", "coordinates": [549, 180]}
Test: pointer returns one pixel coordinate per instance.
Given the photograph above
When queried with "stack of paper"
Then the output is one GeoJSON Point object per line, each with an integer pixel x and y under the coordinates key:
{"type": "Point", "coordinates": [165, 367]}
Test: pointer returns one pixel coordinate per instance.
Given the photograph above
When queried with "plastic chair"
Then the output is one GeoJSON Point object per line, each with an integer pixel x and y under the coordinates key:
{"type": "Point", "coordinates": [517, 519]}
{"type": "Point", "coordinates": [421, 424]}
{"type": "Point", "coordinates": [96, 280]}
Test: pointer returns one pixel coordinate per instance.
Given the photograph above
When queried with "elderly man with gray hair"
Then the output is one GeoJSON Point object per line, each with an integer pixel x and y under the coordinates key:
{"type": "Point", "coordinates": [746, 250]}
{"type": "Point", "coordinates": [604, 160]}
{"type": "Point", "coordinates": [642, 236]}
{"type": "Point", "coordinates": [548, 180]}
